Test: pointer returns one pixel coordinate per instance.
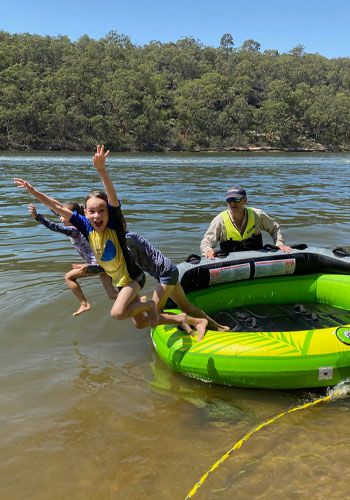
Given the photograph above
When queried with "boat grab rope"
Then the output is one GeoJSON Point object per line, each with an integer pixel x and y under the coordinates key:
{"type": "Point", "coordinates": [339, 391]}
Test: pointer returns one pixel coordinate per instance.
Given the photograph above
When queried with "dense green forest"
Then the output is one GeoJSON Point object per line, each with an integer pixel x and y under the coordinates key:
{"type": "Point", "coordinates": [62, 95]}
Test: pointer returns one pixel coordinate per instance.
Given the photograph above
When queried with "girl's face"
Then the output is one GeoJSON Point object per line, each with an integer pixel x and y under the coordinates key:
{"type": "Point", "coordinates": [96, 212]}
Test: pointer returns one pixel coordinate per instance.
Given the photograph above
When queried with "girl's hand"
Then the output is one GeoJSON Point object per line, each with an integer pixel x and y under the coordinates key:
{"type": "Point", "coordinates": [22, 183]}
{"type": "Point", "coordinates": [100, 157]}
{"type": "Point", "coordinates": [32, 210]}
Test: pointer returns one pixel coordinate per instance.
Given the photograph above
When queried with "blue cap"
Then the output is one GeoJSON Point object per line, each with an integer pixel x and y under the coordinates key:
{"type": "Point", "coordinates": [236, 192]}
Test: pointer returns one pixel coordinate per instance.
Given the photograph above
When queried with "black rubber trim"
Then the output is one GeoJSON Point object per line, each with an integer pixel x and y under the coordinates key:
{"type": "Point", "coordinates": [198, 277]}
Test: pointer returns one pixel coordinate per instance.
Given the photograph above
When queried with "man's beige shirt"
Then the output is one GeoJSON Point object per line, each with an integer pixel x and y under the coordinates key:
{"type": "Point", "coordinates": [217, 231]}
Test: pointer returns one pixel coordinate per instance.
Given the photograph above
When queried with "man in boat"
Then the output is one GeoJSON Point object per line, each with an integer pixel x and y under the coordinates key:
{"type": "Point", "coordinates": [239, 227]}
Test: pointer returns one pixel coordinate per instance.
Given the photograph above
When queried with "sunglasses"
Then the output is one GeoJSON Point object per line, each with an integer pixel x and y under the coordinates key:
{"type": "Point", "coordinates": [233, 200]}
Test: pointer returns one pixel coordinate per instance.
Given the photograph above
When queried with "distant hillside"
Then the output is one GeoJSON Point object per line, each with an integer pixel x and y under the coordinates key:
{"type": "Point", "coordinates": [63, 95]}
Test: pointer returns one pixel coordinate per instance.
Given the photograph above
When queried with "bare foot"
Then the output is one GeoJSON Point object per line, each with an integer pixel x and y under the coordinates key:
{"type": "Point", "coordinates": [82, 309]}
{"type": "Point", "coordinates": [200, 325]}
{"type": "Point", "coordinates": [213, 325]}
{"type": "Point", "coordinates": [222, 328]}
{"type": "Point", "coordinates": [182, 318]}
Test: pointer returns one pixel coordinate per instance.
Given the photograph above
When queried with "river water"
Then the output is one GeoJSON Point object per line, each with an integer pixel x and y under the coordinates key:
{"type": "Point", "coordinates": [87, 409]}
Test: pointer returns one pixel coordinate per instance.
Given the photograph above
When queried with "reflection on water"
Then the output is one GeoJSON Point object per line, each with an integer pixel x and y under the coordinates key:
{"type": "Point", "coordinates": [87, 409]}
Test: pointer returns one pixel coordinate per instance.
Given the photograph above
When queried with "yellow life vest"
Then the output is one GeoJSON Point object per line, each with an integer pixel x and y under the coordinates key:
{"type": "Point", "coordinates": [232, 232]}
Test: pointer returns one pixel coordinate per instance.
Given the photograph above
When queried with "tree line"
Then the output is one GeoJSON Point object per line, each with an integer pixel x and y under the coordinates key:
{"type": "Point", "coordinates": [182, 96]}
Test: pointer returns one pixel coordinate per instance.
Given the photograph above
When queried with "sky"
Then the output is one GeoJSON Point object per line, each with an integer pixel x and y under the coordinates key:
{"type": "Point", "coordinates": [321, 26]}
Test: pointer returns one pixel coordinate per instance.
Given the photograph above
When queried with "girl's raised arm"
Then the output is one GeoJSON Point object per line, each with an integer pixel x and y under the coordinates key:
{"type": "Point", "coordinates": [51, 203]}
{"type": "Point", "coordinates": [100, 164]}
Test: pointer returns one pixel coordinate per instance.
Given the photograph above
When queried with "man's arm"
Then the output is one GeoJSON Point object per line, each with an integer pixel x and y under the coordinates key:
{"type": "Point", "coordinates": [51, 203]}
{"type": "Point", "coordinates": [100, 164]}
{"type": "Point", "coordinates": [272, 227]}
{"type": "Point", "coordinates": [211, 237]}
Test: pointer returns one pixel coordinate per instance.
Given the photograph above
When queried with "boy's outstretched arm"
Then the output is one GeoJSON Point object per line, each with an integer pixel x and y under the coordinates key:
{"type": "Point", "coordinates": [43, 198]}
{"type": "Point", "coordinates": [100, 164]}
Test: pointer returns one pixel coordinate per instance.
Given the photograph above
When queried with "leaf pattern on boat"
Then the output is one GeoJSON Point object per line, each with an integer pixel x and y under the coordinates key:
{"type": "Point", "coordinates": [279, 343]}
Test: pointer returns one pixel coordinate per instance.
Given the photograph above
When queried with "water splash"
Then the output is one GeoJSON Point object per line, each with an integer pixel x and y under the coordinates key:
{"type": "Point", "coordinates": [341, 390]}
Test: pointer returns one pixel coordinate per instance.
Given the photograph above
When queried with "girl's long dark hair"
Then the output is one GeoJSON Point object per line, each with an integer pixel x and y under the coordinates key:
{"type": "Point", "coordinates": [97, 194]}
{"type": "Point", "coordinates": [74, 206]}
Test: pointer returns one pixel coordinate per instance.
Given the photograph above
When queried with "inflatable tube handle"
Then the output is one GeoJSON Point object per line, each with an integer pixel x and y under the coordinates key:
{"type": "Point", "coordinates": [341, 252]}
{"type": "Point", "coordinates": [299, 246]}
{"type": "Point", "coordinates": [193, 259]}
{"type": "Point", "coordinates": [221, 253]}
{"type": "Point", "coordinates": [271, 248]}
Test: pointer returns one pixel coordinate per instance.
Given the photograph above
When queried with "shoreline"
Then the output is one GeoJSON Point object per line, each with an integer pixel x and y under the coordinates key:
{"type": "Point", "coordinates": [237, 149]}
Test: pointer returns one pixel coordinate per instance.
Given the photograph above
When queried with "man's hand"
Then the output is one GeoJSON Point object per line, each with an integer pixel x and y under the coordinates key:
{"type": "Point", "coordinates": [32, 210]}
{"type": "Point", "coordinates": [100, 158]}
{"type": "Point", "coordinates": [210, 254]}
{"type": "Point", "coordinates": [284, 248]}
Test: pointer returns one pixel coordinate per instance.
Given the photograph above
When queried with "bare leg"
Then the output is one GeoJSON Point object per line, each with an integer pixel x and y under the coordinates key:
{"type": "Point", "coordinates": [164, 318]}
{"type": "Point", "coordinates": [180, 320]}
{"type": "Point", "coordinates": [128, 305]}
{"type": "Point", "coordinates": [179, 297]}
{"type": "Point", "coordinates": [160, 296]}
{"type": "Point", "coordinates": [70, 279]}
{"type": "Point", "coordinates": [141, 320]}
{"type": "Point", "coordinates": [200, 324]}
{"type": "Point", "coordinates": [108, 286]}
{"type": "Point", "coordinates": [78, 265]}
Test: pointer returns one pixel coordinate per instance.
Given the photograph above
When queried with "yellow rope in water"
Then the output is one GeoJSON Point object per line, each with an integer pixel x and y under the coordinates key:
{"type": "Point", "coordinates": [245, 438]}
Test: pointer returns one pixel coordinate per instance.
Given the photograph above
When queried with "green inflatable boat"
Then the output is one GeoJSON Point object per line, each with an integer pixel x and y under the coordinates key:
{"type": "Point", "coordinates": [289, 316]}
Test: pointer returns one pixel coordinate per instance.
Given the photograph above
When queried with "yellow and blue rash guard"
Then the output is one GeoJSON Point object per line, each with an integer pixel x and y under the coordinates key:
{"type": "Point", "coordinates": [109, 246]}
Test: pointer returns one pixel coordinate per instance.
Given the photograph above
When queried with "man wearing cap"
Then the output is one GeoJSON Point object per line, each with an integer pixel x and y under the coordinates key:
{"type": "Point", "coordinates": [239, 228]}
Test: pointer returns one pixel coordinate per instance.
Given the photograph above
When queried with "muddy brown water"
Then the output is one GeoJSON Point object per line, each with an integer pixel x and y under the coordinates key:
{"type": "Point", "coordinates": [88, 411]}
